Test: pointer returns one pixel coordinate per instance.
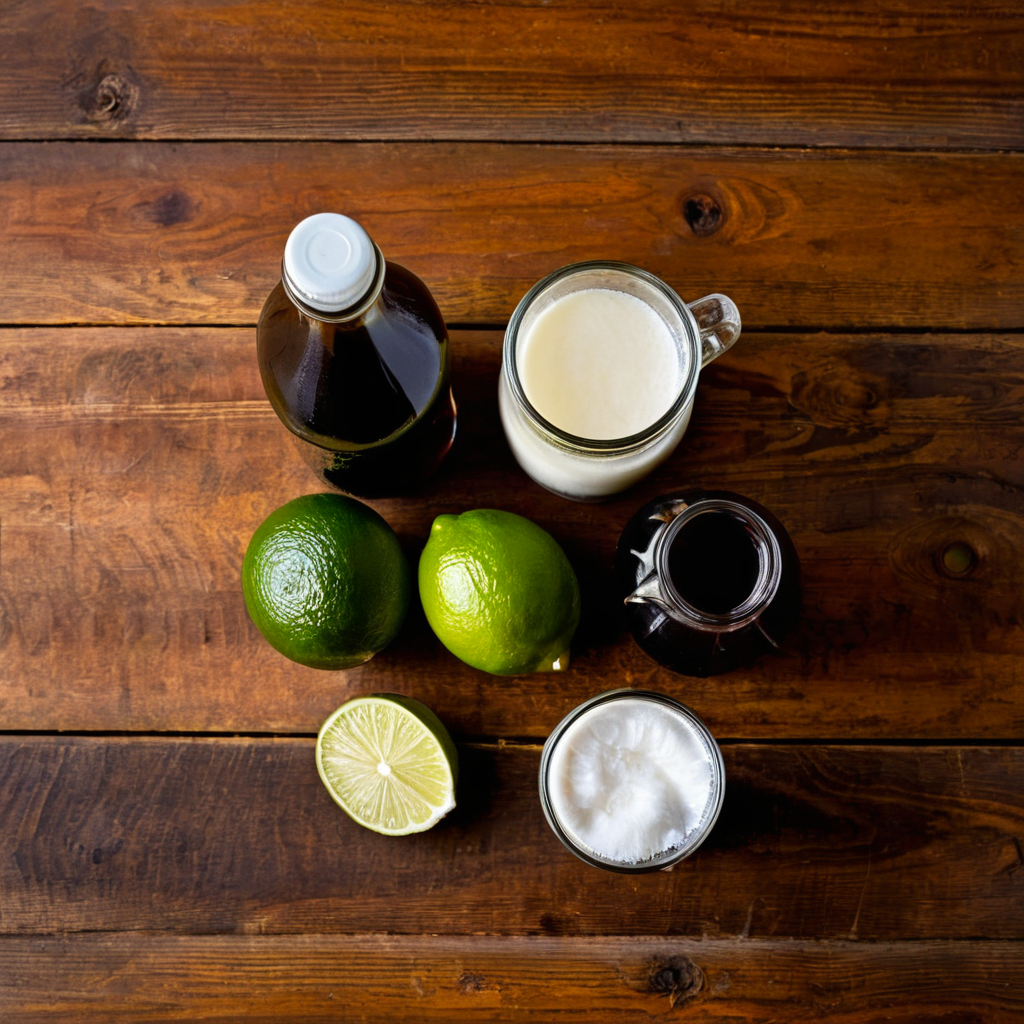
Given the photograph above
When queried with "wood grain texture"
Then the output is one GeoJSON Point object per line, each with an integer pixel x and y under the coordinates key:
{"type": "Point", "coordinates": [888, 72]}
{"type": "Point", "coordinates": [135, 464]}
{"type": "Point", "coordinates": [194, 233]}
{"type": "Point", "coordinates": [239, 835]}
{"type": "Point", "coordinates": [365, 978]}
{"type": "Point", "coordinates": [484, 144]}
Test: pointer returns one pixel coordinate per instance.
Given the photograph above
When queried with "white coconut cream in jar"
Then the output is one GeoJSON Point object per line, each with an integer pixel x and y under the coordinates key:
{"type": "Point", "coordinates": [632, 781]}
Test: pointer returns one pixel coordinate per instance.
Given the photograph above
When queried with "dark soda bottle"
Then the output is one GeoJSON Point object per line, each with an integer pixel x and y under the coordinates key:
{"type": "Point", "coordinates": [354, 357]}
{"type": "Point", "coordinates": [710, 580]}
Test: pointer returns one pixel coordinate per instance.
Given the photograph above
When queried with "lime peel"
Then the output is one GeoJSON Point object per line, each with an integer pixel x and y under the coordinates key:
{"type": "Point", "coordinates": [499, 592]}
{"type": "Point", "coordinates": [326, 582]}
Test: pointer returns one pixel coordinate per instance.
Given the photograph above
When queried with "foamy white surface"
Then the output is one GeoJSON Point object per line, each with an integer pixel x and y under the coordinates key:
{"type": "Point", "coordinates": [629, 779]}
{"type": "Point", "coordinates": [600, 364]}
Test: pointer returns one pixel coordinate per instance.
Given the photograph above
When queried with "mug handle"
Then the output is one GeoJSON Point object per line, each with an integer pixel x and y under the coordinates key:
{"type": "Point", "coordinates": [719, 323]}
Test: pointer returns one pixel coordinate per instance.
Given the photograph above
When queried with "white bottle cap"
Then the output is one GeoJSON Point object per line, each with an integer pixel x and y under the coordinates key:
{"type": "Point", "coordinates": [329, 262]}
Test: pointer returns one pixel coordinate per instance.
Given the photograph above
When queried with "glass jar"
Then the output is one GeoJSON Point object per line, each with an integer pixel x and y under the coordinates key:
{"type": "Point", "coordinates": [593, 469]}
{"type": "Point", "coordinates": [641, 785]}
{"type": "Point", "coordinates": [354, 357]}
{"type": "Point", "coordinates": [710, 580]}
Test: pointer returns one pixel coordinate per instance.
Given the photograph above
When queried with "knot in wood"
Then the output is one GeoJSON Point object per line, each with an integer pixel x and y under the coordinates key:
{"type": "Point", "coordinates": [677, 977]}
{"type": "Point", "coordinates": [841, 398]}
{"type": "Point", "coordinates": [703, 214]}
{"type": "Point", "coordinates": [956, 560]}
{"type": "Point", "coordinates": [167, 210]}
{"type": "Point", "coordinates": [469, 982]}
{"type": "Point", "coordinates": [111, 101]}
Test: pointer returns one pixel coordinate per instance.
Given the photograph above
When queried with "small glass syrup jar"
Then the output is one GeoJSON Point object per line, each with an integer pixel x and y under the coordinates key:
{"type": "Point", "coordinates": [710, 580]}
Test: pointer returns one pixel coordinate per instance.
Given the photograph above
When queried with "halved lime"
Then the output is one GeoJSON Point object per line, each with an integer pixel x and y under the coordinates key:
{"type": "Point", "coordinates": [389, 763]}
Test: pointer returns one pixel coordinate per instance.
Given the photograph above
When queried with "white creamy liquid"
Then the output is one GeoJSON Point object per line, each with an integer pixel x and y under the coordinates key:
{"type": "Point", "coordinates": [630, 779]}
{"type": "Point", "coordinates": [600, 364]}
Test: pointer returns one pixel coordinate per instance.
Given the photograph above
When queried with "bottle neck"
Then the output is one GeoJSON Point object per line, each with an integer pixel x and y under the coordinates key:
{"type": "Point", "coordinates": [354, 312]}
{"type": "Point", "coordinates": [766, 585]}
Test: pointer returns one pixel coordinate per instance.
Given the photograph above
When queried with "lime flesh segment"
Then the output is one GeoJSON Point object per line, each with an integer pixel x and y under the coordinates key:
{"type": "Point", "coordinates": [389, 764]}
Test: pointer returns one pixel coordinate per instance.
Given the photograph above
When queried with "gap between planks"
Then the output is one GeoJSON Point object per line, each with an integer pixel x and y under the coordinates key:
{"type": "Point", "coordinates": [532, 743]}
{"type": "Point", "coordinates": [446, 140]}
{"type": "Point", "coordinates": [885, 330]}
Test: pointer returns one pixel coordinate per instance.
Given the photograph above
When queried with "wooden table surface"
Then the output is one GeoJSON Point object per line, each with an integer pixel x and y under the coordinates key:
{"type": "Point", "coordinates": [851, 175]}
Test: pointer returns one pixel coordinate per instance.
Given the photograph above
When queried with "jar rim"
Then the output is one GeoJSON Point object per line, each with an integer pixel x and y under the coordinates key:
{"type": "Point", "coordinates": [707, 822]}
{"type": "Point", "coordinates": [598, 446]}
{"type": "Point", "coordinates": [769, 567]}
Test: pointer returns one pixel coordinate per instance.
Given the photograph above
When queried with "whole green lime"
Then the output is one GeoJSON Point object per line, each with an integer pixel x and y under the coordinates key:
{"type": "Point", "coordinates": [499, 592]}
{"type": "Point", "coordinates": [325, 581]}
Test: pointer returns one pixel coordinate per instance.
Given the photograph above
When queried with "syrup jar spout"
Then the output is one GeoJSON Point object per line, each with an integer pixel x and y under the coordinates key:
{"type": "Point", "coordinates": [648, 592]}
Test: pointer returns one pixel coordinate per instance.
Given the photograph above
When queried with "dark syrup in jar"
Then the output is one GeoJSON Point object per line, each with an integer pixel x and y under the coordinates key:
{"type": "Point", "coordinates": [710, 580]}
{"type": "Point", "coordinates": [713, 562]}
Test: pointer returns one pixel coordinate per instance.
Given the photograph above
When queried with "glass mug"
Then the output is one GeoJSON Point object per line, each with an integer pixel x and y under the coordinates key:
{"type": "Point", "coordinates": [587, 469]}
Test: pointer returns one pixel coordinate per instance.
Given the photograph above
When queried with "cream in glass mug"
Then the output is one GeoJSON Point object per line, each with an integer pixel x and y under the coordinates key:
{"type": "Point", "coordinates": [599, 372]}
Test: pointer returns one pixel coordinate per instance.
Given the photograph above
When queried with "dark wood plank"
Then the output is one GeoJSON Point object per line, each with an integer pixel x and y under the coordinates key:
{"type": "Point", "coordinates": [315, 978]}
{"type": "Point", "coordinates": [239, 835]}
{"type": "Point", "coordinates": [195, 233]}
{"type": "Point", "coordinates": [889, 72]}
{"type": "Point", "coordinates": [135, 464]}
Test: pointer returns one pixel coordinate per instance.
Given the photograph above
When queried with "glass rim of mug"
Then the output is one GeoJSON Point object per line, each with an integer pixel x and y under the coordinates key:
{"type": "Point", "coordinates": [668, 858]}
{"type": "Point", "coordinates": [617, 445]}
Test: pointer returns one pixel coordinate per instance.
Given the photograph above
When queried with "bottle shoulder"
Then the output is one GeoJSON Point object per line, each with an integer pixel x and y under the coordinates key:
{"type": "Point", "coordinates": [405, 291]}
{"type": "Point", "coordinates": [402, 293]}
{"type": "Point", "coordinates": [358, 382]}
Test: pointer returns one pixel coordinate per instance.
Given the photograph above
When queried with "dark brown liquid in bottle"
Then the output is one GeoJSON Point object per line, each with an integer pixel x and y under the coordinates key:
{"type": "Point", "coordinates": [371, 396]}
